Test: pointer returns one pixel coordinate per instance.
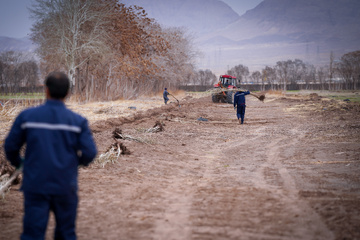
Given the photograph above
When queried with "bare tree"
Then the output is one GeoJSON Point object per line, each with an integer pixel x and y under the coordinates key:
{"type": "Point", "coordinates": [269, 75]}
{"type": "Point", "coordinates": [69, 32]}
{"type": "Point", "coordinates": [349, 69]}
{"type": "Point", "coordinates": [297, 70]}
{"type": "Point", "coordinates": [331, 69]}
{"type": "Point", "coordinates": [206, 77]}
{"type": "Point", "coordinates": [282, 70]}
{"type": "Point", "coordinates": [240, 72]}
{"type": "Point", "coordinates": [256, 76]}
{"type": "Point", "coordinates": [321, 75]}
{"type": "Point", "coordinates": [17, 71]}
{"type": "Point", "coordinates": [309, 75]}
{"type": "Point", "coordinates": [179, 59]}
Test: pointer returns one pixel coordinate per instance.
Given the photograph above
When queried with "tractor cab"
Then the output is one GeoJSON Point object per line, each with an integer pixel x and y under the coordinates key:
{"type": "Point", "coordinates": [226, 81]}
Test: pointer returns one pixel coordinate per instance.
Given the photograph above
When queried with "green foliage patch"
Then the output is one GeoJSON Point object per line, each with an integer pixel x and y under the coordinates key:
{"type": "Point", "coordinates": [351, 98]}
{"type": "Point", "coordinates": [22, 96]}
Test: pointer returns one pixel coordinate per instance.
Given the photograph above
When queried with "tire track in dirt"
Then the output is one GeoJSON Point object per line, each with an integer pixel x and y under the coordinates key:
{"type": "Point", "coordinates": [178, 219]}
{"type": "Point", "coordinates": [176, 205]}
{"type": "Point", "coordinates": [217, 208]}
{"type": "Point", "coordinates": [274, 175]}
{"type": "Point", "coordinates": [311, 222]}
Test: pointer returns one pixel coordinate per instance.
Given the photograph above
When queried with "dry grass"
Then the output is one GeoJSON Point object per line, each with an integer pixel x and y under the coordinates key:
{"type": "Point", "coordinates": [3, 181]}
{"type": "Point", "coordinates": [8, 112]}
{"type": "Point", "coordinates": [97, 111]}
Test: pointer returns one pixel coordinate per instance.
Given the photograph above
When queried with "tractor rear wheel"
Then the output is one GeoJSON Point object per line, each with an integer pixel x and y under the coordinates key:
{"type": "Point", "coordinates": [214, 98]}
{"type": "Point", "coordinates": [229, 97]}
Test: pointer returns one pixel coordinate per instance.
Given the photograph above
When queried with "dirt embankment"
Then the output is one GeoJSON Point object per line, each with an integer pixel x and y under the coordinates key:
{"type": "Point", "coordinates": [290, 172]}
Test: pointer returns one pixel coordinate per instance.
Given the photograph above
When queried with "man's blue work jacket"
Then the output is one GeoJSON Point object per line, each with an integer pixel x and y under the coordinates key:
{"type": "Point", "coordinates": [165, 94]}
{"type": "Point", "coordinates": [239, 98]}
{"type": "Point", "coordinates": [57, 142]}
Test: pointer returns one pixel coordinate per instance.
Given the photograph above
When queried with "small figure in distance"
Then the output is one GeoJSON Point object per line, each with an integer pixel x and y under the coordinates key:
{"type": "Point", "coordinates": [165, 95]}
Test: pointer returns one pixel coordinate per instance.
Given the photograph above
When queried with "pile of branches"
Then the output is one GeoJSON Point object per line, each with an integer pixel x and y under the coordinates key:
{"type": "Point", "coordinates": [118, 148]}
{"type": "Point", "coordinates": [112, 154]}
{"type": "Point", "coordinates": [158, 127]}
{"type": "Point", "coordinates": [7, 174]}
{"type": "Point", "coordinates": [117, 134]}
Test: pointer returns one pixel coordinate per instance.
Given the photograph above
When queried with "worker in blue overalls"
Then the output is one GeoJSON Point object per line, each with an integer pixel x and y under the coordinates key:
{"type": "Point", "coordinates": [57, 142]}
{"type": "Point", "coordinates": [165, 95]}
{"type": "Point", "coordinates": [239, 105]}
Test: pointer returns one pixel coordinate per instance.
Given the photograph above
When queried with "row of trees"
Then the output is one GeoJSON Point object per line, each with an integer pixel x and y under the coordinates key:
{"type": "Point", "coordinates": [17, 70]}
{"type": "Point", "coordinates": [349, 69]}
{"type": "Point", "coordinates": [109, 50]}
{"type": "Point", "coordinates": [345, 73]}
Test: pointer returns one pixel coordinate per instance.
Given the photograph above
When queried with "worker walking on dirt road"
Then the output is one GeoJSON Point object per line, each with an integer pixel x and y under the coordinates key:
{"type": "Point", "coordinates": [239, 104]}
{"type": "Point", "coordinates": [165, 95]}
{"type": "Point", "coordinates": [57, 142]}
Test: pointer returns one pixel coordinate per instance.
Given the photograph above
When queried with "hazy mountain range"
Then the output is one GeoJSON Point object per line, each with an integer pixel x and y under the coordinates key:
{"type": "Point", "coordinates": [275, 30]}
{"type": "Point", "coordinates": [16, 44]}
{"type": "Point", "coordinates": [283, 29]}
{"type": "Point", "coordinates": [198, 16]}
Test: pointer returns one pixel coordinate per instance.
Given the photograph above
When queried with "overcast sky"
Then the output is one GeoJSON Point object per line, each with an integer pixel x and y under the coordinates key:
{"type": "Point", "coordinates": [15, 22]}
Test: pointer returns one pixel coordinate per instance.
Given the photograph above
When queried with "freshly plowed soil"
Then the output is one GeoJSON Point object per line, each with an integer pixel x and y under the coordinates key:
{"type": "Point", "coordinates": [290, 172]}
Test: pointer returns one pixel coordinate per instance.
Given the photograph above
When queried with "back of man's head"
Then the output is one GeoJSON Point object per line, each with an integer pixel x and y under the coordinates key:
{"type": "Point", "coordinates": [58, 84]}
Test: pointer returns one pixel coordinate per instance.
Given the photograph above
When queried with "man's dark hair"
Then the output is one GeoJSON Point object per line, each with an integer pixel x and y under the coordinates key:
{"type": "Point", "coordinates": [58, 84]}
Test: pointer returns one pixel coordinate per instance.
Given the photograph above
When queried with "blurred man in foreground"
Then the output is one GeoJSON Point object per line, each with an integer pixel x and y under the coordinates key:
{"type": "Point", "coordinates": [57, 142]}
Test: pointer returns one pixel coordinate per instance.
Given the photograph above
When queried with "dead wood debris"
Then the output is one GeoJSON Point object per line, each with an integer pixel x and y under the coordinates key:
{"type": "Point", "coordinates": [112, 154]}
{"type": "Point", "coordinates": [6, 169]}
{"type": "Point", "coordinates": [117, 134]}
{"type": "Point", "coordinates": [158, 127]}
{"type": "Point", "coordinates": [118, 148]}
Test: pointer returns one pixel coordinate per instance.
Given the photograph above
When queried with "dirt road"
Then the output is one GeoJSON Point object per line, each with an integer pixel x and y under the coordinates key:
{"type": "Point", "coordinates": [290, 172]}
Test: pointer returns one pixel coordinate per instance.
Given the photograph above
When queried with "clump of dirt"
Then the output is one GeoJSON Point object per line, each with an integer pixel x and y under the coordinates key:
{"type": "Point", "coordinates": [315, 97]}
{"type": "Point", "coordinates": [159, 126]}
{"type": "Point", "coordinates": [187, 98]}
{"type": "Point", "coordinates": [262, 97]}
{"type": "Point", "coordinates": [117, 133]}
{"type": "Point", "coordinates": [104, 110]}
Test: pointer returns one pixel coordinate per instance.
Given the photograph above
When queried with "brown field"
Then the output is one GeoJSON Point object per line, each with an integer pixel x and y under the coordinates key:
{"type": "Point", "coordinates": [290, 172]}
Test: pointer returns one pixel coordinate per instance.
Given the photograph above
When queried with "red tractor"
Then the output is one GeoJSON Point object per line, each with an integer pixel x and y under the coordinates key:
{"type": "Point", "coordinates": [225, 82]}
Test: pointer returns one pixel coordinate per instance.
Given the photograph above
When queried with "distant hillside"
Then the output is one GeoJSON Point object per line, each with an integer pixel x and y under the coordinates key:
{"type": "Point", "coordinates": [199, 16]}
{"type": "Point", "coordinates": [301, 20]}
{"type": "Point", "coordinates": [15, 44]}
{"type": "Point", "coordinates": [282, 29]}
{"type": "Point", "coordinates": [275, 30]}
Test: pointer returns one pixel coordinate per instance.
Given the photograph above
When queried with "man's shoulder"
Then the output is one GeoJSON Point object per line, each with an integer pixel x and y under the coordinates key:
{"type": "Point", "coordinates": [75, 114]}
{"type": "Point", "coordinates": [31, 110]}
{"type": "Point", "coordinates": [63, 110]}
